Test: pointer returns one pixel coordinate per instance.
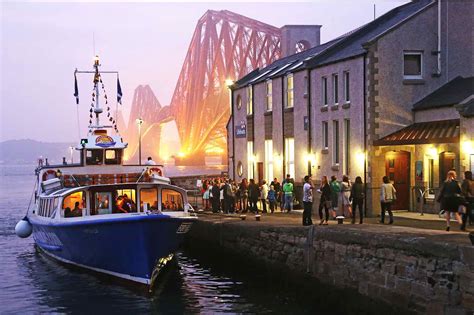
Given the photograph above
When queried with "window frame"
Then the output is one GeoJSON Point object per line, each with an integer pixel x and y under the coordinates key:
{"type": "Point", "coordinates": [411, 76]}
{"type": "Point", "coordinates": [290, 156]}
{"type": "Point", "coordinates": [141, 203]}
{"type": "Point", "coordinates": [250, 161]}
{"type": "Point", "coordinates": [325, 138]}
{"type": "Point", "coordinates": [290, 94]}
{"type": "Point", "coordinates": [249, 100]}
{"type": "Point", "coordinates": [160, 199]}
{"type": "Point", "coordinates": [239, 102]}
{"type": "Point", "coordinates": [335, 88]}
{"type": "Point", "coordinates": [268, 171]}
{"type": "Point", "coordinates": [347, 87]}
{"type": "Point", "coordinates": [335, 142]}
{"type": "Point", "coordinates": [324, 91]}
{"type": "Point", "coordinates": [269, 97]}
{"type": "Point", "coordinates": [347, 143]}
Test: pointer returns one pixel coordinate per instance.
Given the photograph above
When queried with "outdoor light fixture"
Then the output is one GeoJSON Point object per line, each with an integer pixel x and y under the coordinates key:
{"type": "Point", "coordinates": [467, 147]}
{"type": "Point", "coordinates": [433, 152]}
{"type": "Point", "coordinates": [96, 60]}
{"type": "Point", "coordinates": [229, 83]}
{"type": "Point", "coordinates": [139, 122]}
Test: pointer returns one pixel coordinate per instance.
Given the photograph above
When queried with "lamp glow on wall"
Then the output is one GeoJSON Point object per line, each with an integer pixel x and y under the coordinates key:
{"type": "Point", "coordinates": [360, 159]}
{"type": "Point", "coordinates": [467, 147]}
{"type": "Point", "coordinates": [432, 152]}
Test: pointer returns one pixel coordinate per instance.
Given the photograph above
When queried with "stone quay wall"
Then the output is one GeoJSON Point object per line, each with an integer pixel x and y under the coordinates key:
{"type": "Point", "coordinates": [416, 272]}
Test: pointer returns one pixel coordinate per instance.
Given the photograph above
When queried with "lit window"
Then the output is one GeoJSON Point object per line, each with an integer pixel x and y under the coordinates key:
{"type": "Point", "coordinates": [73, 204]}
{"type": "Point", "coordinates": [249, 100]}
{"type": "Point", "coordinates": [239, 102]}
{"type": "Point", "coordinates": [335, 87]}
{"type": "Point", "coordinates": [112, 156]}
{"type": "Point", "coordinates": [412, 65]}
{"type": "Point", "coordinates": [347, 135]}
{"type": "Point", "coordinates": [102, 203]}
{"type": "Point", "coordinates": [324, 90]}
{"type": "Point", "coordinates": [269, 96]}
{"type": "Point", "coordinates": [290, 156]}
{"type": "Point", "coordinates": [325, 135]}
{"type": "Point", "coordinates": [268, 160]}
{"type": "Point", "coordinates": [430, 176]}
{"type": "Point", "coordinates": [335, 142]}
{"type": "Point", "coordinates": [347, 94]}
{"type": "Point", "coordinates": [126, 201]}
{"type": "Point", "coordinates": [289, 91]}
{"type": "Point", "coordinates": [240, 169]}
{"type": "Point", "coordinates": [250, 159]}
{"type": "Point", "coordinates": [94, 157]}
{"type": "Point", "coordinates": [171, 200]}
{"type": "Point", "coordinates": [148, 199]}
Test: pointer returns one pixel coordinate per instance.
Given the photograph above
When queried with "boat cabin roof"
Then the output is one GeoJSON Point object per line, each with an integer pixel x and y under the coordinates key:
{"type": "Point", "coordinates": [100, 140]}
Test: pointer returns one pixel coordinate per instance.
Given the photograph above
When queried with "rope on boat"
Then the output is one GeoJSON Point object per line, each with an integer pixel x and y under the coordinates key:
{"type": "Point", "coordinates": [31, 198]}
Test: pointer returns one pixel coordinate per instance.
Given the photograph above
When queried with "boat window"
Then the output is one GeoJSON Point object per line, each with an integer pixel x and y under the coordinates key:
{"type": "Point", "coordinates": [112, 156]}
{"type": "Point", "coordinates": [148, 199]}
{"type": "Point", "coordinates": [94, 157]}
{"type": "Point", "coordinates": [73, 204]}
{"type": "Point", "coordinates": [126, 201]}
{"type": "Point", "coordinates": [171, 200]}
{"type": "Point", "coordinates": [102, 203]}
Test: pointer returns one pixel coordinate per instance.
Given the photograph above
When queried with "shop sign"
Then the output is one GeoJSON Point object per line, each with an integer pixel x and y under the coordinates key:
{"type": "Point", "coordinates": [241, 130]}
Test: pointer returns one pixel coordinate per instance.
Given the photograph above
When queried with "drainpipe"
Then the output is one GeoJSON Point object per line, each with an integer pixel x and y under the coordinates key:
{"type": "Point", "coordinates": [253, 131]}
{"type": "Point", "coordinates": [283, 125]}
{"type": "Point", "coordinates": [308, 95]}
{"type": "Point", "coordinates": [365, 134]}
{"type": "Point", "coordinates": [233, 130]}
{"type": "Point", "coordinates": [439, 38]}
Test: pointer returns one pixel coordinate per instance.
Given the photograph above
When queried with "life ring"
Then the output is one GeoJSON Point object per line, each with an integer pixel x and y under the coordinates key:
{"type": "Point", "coordinates": [155, 170]}
{"type": "Point", "coordinates": [49, 174]}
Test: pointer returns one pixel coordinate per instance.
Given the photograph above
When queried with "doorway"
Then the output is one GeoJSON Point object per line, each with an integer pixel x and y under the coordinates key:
{"type": "Point", "coordinates": [446, 163]}
{"type": "Point", "coordinates": [397, 169]}
{"type": "Point", "coordinates": [260, 172]}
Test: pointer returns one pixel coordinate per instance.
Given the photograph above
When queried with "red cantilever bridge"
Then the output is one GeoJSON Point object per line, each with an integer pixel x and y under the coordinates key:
{"type": "Point", "coordinates": [225, 45]}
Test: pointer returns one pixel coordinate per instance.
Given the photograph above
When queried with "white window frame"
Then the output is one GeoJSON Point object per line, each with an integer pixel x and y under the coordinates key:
{"type": "Point", "coordinates": [335, 88]}
{"type": "Point", "coordinates": [335, 142]}
{"type": "Point", "coordinates": [347, 87]}
{"type": "Point", "coordinates": [290, 96]}
{"type": "Point", "coordinates": [250, 100]}
{"type": "Point", "coordinates": [290, 156]}
{"type": "Point", "coordinates": [347, 143]}
{"type": "Point", "coordinates": [324, 91]}
{"type": "Point", "coordinates": [408, 76]}
{"type": "Point", "coordinates": [268, 160]}
{"type": "Point", "coordinates": [250, 161]}
{"type": "Point", "coordinates": [325, 132]}
{"type": "Point", "coordinates": [269, 86]}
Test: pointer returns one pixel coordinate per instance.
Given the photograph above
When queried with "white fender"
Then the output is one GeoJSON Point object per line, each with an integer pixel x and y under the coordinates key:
{"type": "Point", "coordinates": [23, 228]}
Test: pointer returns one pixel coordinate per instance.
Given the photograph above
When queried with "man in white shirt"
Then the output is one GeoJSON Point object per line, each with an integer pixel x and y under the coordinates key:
{"type": "Point", "coordinates": [150, 161]}
{"type": "Point", "coordinates": [307, 200]}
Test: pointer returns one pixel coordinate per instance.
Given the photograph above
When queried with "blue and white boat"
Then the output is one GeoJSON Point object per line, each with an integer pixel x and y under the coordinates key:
{"type": "Point", "coordinates": [121, 220]}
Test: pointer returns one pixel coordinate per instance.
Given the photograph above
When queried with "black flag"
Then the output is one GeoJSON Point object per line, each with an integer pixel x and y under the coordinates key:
{"type": "Point", "coordinates": [119, 92]}
{"type": "Point", "coordinates": [76, 91]}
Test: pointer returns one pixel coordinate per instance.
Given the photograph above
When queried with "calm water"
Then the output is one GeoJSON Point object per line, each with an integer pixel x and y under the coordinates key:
{"type": "Point", "coordinates": [33, 283]}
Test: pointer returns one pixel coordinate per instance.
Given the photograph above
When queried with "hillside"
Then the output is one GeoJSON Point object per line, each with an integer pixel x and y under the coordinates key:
{"type": "Point", "coordinates": [28, 151]}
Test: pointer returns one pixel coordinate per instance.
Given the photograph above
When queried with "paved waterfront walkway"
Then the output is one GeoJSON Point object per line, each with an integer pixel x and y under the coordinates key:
{"type": "Point", "coordinates": [405, 223]}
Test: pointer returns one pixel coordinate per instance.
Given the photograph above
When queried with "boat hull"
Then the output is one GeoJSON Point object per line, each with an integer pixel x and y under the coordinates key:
{"type": "Point", "coordinates": [130, 248]}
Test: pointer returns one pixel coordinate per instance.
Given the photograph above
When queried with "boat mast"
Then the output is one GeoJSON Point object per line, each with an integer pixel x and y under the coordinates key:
{"type": "Point", "coordinates": [97, 109]}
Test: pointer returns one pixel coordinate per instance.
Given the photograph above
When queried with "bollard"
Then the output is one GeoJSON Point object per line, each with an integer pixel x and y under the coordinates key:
{"type": "Point", "coordinates": [340, 219]}
{"type": "Point", "coordinates": [243, 217]}
{"type": "Point", "coordinates": [257, 217]}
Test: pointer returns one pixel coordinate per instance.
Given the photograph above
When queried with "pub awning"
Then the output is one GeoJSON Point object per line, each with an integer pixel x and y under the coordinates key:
{"type": "Point", "coordinates": [441, 131]}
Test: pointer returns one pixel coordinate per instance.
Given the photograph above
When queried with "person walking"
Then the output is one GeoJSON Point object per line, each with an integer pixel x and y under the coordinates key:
{"type": "Point", "coordinates": [335, 190]}
{"type": "Point", "coordinates": [307, 200]}
{"type": "Point", "coordinates": [253, 196]}
{"type": "Point", "coordinates": [467, 189]}
{"type": "Point", "coordinates": [272, 198]}
{"type": "Point", "coordinates": [387, 196]}
{"type": "Point", "coordinates": [450, 198]}
{"type": "Point", "coordinates": [288, 193]}
{"type": "Point", "coordinates": [277, 186]}
{"type": "Point", "coordinates": [325, 200]}
{"type": "Point", "coordinates": [357, 198]}
{"type": "Point", "coordinates": [346, 194]}
{"type": "Point", "coordinates": [264, 195]}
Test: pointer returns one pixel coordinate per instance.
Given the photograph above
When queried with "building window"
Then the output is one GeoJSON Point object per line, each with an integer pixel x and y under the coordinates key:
{"type": "Point", "coordinates": [335, 88]}
{"type": "Point", "coordinates": [347, 143]}
{"type": "Point", "coordinates": [335, 142]}
{"type": "Point", "coordinates": [412, 65]}
{"type": "Point", "coordinates": [268, 160]}
{"type": "Point", "coordinates": [269, 96]}
{"type": "Point", "coordinates": [347, 93]}
{"type": "Point", "coordinates": [289, 91]}
{"type": "Point", "coordinates": [240, 169]}
{"type": "Point", "coordinates": [324, 90]}
{"type": "Point", "coordinates": [325, 135]}
{"type": "Point", "coordinates": [239, 102]}
{"type": "Point", "coordinates": [290, 156]}
{"type": "Point", "coordinates": [305, 85]}
{"type": "Point", "coordinates": [430, 176]}
{"type": "Point", "coordinates": [250, 159]}
{"type": "Point", "coordinates": [249, 100]}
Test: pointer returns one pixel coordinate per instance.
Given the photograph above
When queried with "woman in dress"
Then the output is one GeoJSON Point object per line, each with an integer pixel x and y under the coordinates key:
{"type": "Point", "coordinates": [346, 194]}
{"type": "Point", "coordinates": [325, 201]}
{"type": "Point", "coordinates": [450, 198]}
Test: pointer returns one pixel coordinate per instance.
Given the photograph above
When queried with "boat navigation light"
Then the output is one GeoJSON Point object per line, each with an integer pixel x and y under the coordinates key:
{"type": "Point", "coordinates": [96, 60]}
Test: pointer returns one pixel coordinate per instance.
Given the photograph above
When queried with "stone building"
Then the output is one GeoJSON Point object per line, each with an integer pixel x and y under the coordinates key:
{"type": "Point", "coordinates": [329, 109]}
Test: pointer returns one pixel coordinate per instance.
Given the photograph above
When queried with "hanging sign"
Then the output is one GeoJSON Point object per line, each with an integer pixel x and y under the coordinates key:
{"type": "Point", "coordinates": [104, 141]}
{"type": "Point", "coordinates": [241, 130]}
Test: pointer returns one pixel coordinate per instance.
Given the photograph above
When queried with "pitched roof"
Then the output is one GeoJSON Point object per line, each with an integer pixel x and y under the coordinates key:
{"type": "Point", "coordinates": [467, 110]}
{"type": "Point", "coordinates": [346, 46]}
{"type": "Point", "coordinates": [452, 93]}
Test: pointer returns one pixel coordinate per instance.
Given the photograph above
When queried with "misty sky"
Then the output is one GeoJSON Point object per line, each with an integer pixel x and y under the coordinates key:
{"type": "Point", "coordinates": [42, 44]}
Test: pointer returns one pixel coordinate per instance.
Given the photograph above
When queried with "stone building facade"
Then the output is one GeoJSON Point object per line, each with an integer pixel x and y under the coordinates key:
{"type": "Point", "coordinates": [329, 109]}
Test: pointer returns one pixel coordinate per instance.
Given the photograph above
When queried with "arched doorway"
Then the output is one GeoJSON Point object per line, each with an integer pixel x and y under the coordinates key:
{"type": "Point", "coordinates": [397, 169]}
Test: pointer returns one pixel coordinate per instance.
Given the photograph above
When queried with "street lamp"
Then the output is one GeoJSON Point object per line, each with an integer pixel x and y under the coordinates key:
{"type": "Point", "coordinates": [71, 149]}
{"type": "Point", "coordinates": [139, 122]}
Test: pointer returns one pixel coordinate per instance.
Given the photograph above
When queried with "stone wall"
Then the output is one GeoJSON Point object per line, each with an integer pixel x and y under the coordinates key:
{"type": "Point", "coordinates": [418, 273]}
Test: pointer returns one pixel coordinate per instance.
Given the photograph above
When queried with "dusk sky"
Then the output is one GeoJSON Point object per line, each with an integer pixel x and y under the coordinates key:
{"type": "Point", "coordinates": [42, 44]}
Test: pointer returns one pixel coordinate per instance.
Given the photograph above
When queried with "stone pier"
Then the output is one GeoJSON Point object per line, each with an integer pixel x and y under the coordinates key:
{"type": "Point", "coordinates": [420, 271]}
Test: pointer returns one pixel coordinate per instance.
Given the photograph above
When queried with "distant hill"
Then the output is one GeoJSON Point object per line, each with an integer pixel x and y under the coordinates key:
{"type": "Point", "coordinates": [28, 151]}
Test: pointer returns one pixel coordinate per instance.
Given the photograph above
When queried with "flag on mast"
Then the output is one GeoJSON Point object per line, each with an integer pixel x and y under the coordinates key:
{"type": "Point", "coordinates": [76, 90]}
{"type": "Point", "coordinates": [119, 92]}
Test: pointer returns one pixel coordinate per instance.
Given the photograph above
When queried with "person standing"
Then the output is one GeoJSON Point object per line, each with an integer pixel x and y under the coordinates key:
{"type": "Point", "coordinates": [244, 194]}
{"type": "Point", "coordinates": [272, 198]}
{"type": "Point", "coordinates": [150, 161]}
{"type": "Point", "coordinates": [264, 196]}
{"type": "Point", "coordinates": [215, 191]}
{"type": "Point", "coordinates": [253, 196]}
{"type": "Point", "coordinates": [387, 196]}
{"type": "Point", "coordinates": [325, 201]}
{"type": "Point", "coordinates": [335, 190]}
{"type": "Point", "coordinates": [277, 186]}
{"type": "Point", "coordinates": [288, 193]}
{"type": "Point", "coordinates": [307, 200]}
{"type": "Point", "coordinates": [346, 194]}
{"type": "Point", "coordinates": [467, 188]}
{"type": "Point", "coordinates": [357, 198]}
{"type": "Point", "coordinates": [449, 196]}
{"type": "Point", "coordinates": [228, 196]}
